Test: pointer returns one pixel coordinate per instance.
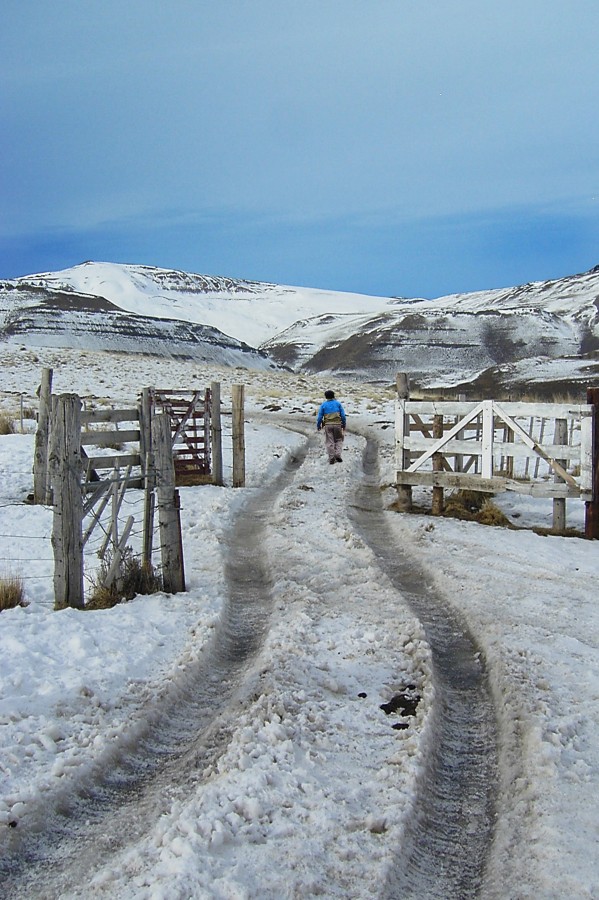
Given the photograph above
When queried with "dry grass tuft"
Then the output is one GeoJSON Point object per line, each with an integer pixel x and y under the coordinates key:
{"type": "Point", "coordinates": [468, 506]}
{"type": "Point", "coordinates": [133, 578]}
{"type": "Point", "coordinates": [7, 426]}
{"type": "Point", "coordinates": [465, 505]}
{"type": "Point", "coordinates": [12, 592]}
{"type": "Point", "coordinates": [475, 506]}
{"type": "Point", "coordinates": [491, 515]}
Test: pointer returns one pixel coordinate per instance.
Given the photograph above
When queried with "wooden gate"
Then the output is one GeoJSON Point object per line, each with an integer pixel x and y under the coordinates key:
{"type": "Point", "coordinates": [190, 417]}
{"type": "Point", "coordinates": [478, 446]}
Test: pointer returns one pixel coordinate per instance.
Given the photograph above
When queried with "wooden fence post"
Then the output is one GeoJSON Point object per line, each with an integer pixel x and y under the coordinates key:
{"type": "Point", "coordinates": [459, 457]}
{"type": "Point", "coordinates": [40, 455]}
{"type": "Point", "coordinates": [149, 506]}
{"type": "Point", "coordinates": [591, 523]}
{"type": "Point", "coordinates": [145, 408]}
{"type": "Point", "coordinates": [402, 428]}
{"type": "Point", "coordinates": [169, 520]}
{"type": "Point", "coordinates": [437, 502]}
{"type": "Point", "coordinates": [66, 468]}
{"type": "Point", "coordinates": [559, 503]}
{"type": "Point", "coordinates": [216, 435]}
{"type": "Point", "coordinates": [238, 396]}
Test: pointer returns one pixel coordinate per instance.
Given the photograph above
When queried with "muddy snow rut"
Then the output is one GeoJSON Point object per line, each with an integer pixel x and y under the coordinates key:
{"type": "Point", "coordinates": [55, 852]}
{"type": "Point", "coordinates": [448, 838]}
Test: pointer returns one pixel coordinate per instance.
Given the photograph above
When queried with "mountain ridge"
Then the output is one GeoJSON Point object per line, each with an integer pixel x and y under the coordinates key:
{"type": "Point", "coordinates": [543, 334]}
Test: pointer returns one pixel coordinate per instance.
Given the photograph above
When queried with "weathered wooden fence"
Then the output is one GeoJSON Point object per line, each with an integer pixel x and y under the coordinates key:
{"type": "Point", "coordinates": [128, 448]}
{"type": "Point", "coordinates": [539, 449]}
{"type": "Point", "coordinates": [78, 489]}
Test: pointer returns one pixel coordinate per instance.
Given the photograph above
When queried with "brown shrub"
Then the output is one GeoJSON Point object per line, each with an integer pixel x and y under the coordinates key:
{"type": "Point", "coordinates": [12, 592]}
{"type": "Point", "coordinates": [7, 426]}
{"type": "Point", "coordinates": [133, 578]}
{"type": "Point", "coordinates": [490, 514]}
{"type": "Point", "coordinates": [465, 505]}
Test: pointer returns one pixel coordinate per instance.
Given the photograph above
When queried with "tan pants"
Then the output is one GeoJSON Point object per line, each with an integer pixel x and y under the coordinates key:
{"type": "Point", "coordinates": [333, 440]}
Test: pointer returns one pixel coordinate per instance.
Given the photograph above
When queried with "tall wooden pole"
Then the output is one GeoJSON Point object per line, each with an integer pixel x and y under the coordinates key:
{"type": "Point", "coordinates": [238, 397]}
{"type": "Point", "coordinates": [402, 429]}
{"type": "Point", "coordinates": [591, 525]}
{"type": "Point", "coordinates": [216, 435]}
{"type": "Point", "coordinates": [145, 409]}
{"type": "Point", "coordinates": [438, 500]}
{"type": "Point", "coordinates": [559, 503]}
{"type": "Point", "coordinates": [149, 506]}
{"type": "Point", "coordinates": [66, 469]}
{"type": "Point", "coordinates": [169, 519]}
{"type": "Point", "coordinates": [40, 455]}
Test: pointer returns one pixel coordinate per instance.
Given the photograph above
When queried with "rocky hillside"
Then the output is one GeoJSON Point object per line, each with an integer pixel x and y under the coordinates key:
{"type": "Point", "coordinates": [36, 315]}
{"type": "Point", "coordinates": [541, 337]}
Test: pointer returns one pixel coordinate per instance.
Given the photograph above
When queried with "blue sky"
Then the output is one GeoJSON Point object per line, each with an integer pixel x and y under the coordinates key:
{"type": "Point", "coordinates": [389, 147]}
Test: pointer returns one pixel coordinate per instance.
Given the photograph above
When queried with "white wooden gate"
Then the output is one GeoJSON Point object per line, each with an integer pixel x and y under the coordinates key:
{"type": "Point", "coordinates": [492, 447]}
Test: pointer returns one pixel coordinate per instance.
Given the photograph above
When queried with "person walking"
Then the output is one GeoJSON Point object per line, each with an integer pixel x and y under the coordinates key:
{"type": "Point", "coordinates": [331, 417]}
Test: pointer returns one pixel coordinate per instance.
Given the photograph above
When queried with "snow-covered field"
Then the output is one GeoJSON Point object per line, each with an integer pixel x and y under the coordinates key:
{"type": "Point", "coordinates": [309, 796]}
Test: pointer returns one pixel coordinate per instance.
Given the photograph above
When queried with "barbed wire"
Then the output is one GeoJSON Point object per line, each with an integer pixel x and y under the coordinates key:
{"type": "Point", "coordinates": [25, 559]}
{"type": "Point", "coordinates": [37, 577]}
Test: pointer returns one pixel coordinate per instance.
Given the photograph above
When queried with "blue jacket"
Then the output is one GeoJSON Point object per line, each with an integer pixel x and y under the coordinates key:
{"type": "Point", "coordinates": [329, 408]}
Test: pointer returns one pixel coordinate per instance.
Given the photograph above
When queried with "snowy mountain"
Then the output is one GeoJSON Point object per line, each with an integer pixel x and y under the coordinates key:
{"type": "Point", "coordinates": [542, 336]}
{"type": "Point", "coordinates": [247, 310]}
{"type": "Point", "coordinates": [42, 311]}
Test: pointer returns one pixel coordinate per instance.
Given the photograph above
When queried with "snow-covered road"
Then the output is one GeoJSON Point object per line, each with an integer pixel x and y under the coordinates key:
{"type": "Point", "coordinates": [290, 780]}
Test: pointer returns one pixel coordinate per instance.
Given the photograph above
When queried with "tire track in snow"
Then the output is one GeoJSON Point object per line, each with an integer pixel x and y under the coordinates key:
{"type": "Point", "coordinates": [448, 838]}
{"type": "Point", "coordinates": [55, 851]}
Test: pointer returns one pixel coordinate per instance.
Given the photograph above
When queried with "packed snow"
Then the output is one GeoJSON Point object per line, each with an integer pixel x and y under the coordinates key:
{"type": "Point", "coordinates": [311, 791]}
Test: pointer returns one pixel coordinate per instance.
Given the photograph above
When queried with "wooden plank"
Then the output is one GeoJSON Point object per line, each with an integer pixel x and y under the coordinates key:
{"type": "Point", "coordinates": [41, 486]}
{"type": "Point", "coordinates": [488, 434]}
{"type": "Point", "coordinates": [216, 439]}
{"type": "Point", "coordinates": [437, 461]}
{"type": "Point", "coordinates": [133, 483]}
{"type": "Point", "coordinates": [97, 490]}
{"type": "Point", "coordinates": [146, 410]}
{"type": "Point", "coordinates": [109, 415]}
{"type": "Point", "coordinates": [106, 438]}
{"type": "Point", "coordinates": [118, 553]}
{"type": "Point", "coordinates": [110, 462]}
{"type": "Point", "coordinates": [559, 503]}
{"type": "Point", "coordinates": [452, 480]}
{"type": "Point", "coordinates": [238, 435]}
{"type": "Point", "coordinates": [66, 469]}
{"type": "Point", "coordinates": [169, 521]}
{"type": "Point", "coordinates": [546, 489]}
{"type": "Point", "coordinates": [591, 518]}
{"type": "Point", "coordinates": [514, 409]}
{"type": "Point", "coordinates": [495, 485]}
{"type": "Point", "coordinates": [586, 455]}
{"type": "Point", "coordinates": [192, 440]}
{"type": "Point", "coordinates": [402, 433]}
{"type": "Point", "coordinates": [417, 443]}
